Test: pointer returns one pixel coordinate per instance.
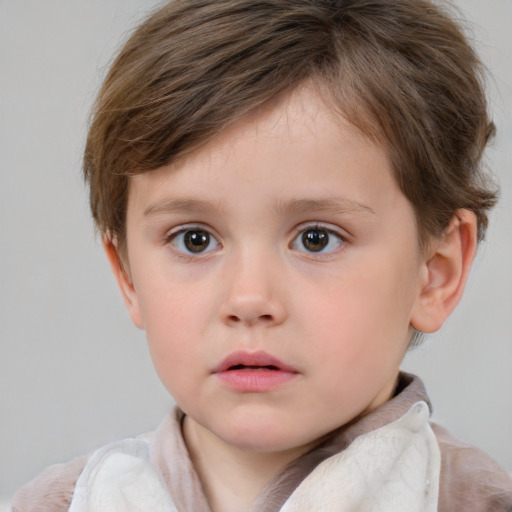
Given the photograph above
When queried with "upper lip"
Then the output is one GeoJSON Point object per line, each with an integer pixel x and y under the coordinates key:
{"type": "Point", "coordinates": [254, 359]}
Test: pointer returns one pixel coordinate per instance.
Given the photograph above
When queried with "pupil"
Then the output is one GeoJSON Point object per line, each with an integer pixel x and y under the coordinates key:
{"type": "Point", "coordinates": [315, 239]}
{"type": "Point", "coordinates": [197, 241]}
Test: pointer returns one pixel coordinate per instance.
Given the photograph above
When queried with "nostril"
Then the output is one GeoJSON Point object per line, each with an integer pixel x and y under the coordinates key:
{"type": "Point", "coordinates": [234, 319]}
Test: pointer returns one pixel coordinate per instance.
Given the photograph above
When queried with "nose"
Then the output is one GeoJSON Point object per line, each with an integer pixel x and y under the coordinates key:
{"type": "Point", "coordinates": [253, 294]}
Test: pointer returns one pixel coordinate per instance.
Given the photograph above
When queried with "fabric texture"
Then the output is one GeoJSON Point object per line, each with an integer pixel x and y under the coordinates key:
{"type": "Point", "coordinates": [392, 469]}
{"type": "Point", "coordinates": [470, 481]}
{"type": "Point", "coordinates": [121, 478]}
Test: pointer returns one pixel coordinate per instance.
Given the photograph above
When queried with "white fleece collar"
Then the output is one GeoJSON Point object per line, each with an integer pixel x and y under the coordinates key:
{"type": "Point", "coordinates": [392, 469]}
{"type": "Point", "coordinates": [121, 478]}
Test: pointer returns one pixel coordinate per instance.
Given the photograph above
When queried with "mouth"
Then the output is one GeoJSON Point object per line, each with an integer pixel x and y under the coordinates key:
{"type": "Point", "coordinates": [252, 367]}
{"type": "Point", "coordinates": [246, 361]}
{"type": "Point", "coordinates": [257, 372]}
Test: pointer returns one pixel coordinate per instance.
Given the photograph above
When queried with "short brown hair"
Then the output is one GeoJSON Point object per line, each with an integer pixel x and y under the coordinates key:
{"type": "Point", "coordinates": [400, 70]}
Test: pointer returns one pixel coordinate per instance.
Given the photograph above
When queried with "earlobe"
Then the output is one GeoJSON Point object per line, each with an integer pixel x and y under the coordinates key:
{"type": "Point", "coordinates": [446, 271]}
{"type": "Point", "coordinates": [124, 281]}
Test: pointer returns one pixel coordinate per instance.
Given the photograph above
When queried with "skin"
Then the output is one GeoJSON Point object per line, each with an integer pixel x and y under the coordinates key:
{"type": "Point", "coordinates": [341, 317]}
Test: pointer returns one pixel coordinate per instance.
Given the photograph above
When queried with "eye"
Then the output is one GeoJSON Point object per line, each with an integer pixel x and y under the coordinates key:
{"type": "Point", "coordinates": [194, 241]}
{"type": "Point", "coordinates": [317, 240]}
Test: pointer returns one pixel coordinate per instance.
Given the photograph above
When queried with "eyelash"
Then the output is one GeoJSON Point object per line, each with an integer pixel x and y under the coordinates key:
{"type": "Point", "coordinates": [330, 232]}
{"type": "Point", "coordinates": [173, 239]}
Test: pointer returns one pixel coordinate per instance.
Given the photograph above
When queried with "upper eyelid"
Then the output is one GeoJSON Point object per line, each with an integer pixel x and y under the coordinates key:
{"type": "Point", "coordinates": [171, 233]}
{"type": "Point", "coordinates": [335, 231]}
{"type": "Point", "coordinates": [169, 237]}
{"type": "Point", "coordinates": [190, 226]}
{"type": "Point", "coordinates": [326, 226]}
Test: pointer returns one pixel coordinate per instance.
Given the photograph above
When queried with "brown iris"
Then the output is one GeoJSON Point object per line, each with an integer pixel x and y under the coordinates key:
{"type": "Point", "coordinates": [197, 240]}
{"type": "Point", "coordinates": [315, 240]}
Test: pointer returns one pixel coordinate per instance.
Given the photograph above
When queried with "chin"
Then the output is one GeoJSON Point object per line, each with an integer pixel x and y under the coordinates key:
{"type": "Point", "coordinates": [263, 436]}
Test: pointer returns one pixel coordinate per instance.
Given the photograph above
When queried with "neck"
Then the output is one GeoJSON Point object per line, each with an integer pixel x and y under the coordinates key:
{"type": "Point", "coordinates": [231, 477]}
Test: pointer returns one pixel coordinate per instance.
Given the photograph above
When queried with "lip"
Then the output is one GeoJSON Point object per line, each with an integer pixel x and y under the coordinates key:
{"type": "Point", "coordinates": [253, 372]}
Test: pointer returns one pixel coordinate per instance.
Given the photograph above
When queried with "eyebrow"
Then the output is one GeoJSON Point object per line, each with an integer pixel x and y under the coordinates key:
{"type": "Point", "coordinates": [333, 205]}
{"type": "Point", "coordinates": [338, 205]}
{"type": "Point", "coordinates": [181, 206]}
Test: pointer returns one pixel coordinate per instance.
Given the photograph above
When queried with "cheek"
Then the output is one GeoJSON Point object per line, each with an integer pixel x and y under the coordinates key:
{"type": "Point", "coordinates": [172, 316]}
{"type": "Point", "coordinates": [172, 337]}
{"type": "Point", "coordinates": [172, 321]}
{"type": "Point", "coordinates": [168, 299]}
{"type": "Point", "coordinates": [365, 306]}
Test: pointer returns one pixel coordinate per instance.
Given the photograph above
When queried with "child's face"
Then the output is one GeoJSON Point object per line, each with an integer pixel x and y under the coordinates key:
{"type": "Point", "coordinates": [285, 242]}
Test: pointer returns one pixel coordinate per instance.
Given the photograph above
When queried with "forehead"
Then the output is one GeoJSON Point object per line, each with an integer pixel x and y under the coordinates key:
{"type": "Point", "coordinates": [296, 148]}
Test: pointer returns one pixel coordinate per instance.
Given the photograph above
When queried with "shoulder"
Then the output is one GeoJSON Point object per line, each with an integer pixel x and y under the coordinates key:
{"type": "Point", "coordinates": [51, 490]}
{"type": "Point", "coordinates": [470, 480]}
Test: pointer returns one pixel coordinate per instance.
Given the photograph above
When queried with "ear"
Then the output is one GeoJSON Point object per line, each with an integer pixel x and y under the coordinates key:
{"type": "Point", "coordinates": [446, 271]}
{"type": "Point", "coordinates": [124, 281]}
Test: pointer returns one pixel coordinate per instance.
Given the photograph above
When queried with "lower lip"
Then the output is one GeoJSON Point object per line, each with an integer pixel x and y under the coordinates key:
{"type": "Point", "coordinates": [255, 381]}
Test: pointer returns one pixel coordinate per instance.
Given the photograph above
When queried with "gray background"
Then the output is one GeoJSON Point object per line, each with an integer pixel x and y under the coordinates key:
{"type": "Point", "coordinates": [74, 373]}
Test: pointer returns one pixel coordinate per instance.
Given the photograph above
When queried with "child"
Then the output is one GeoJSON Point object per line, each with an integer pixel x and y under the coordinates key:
{"type": "Point", "coordinates": [289, 192]}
